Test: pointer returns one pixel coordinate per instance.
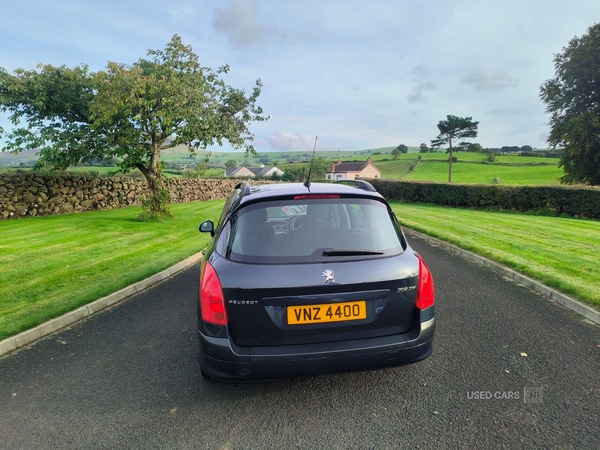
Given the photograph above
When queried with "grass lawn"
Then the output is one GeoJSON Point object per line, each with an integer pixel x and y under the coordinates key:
{"type": "Point", "coordinates": [397, 168]}
{"type": "Point", "coordinates": [51, 265]}
{"type": "Point", "coordinates": [560, 252]}
{"type": "Point", "coordinates": [473, 168]}
{"type": "Point", "coordinates": [466, 172]}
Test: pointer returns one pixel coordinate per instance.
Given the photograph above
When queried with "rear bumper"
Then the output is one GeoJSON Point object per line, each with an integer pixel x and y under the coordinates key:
{"type": "Point", "coordinates": [221, 359]}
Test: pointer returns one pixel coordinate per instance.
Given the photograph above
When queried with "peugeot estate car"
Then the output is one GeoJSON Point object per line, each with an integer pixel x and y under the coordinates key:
{"type": "Point", "coordinates": [300, 281]}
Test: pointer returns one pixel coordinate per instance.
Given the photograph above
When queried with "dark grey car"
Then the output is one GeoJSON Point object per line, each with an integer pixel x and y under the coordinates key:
{"type": "Point", "coordinates": [302, 281]}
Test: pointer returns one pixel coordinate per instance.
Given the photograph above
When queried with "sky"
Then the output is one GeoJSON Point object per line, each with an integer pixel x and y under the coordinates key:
{"type": "Point", "coordinates": [357, 74]}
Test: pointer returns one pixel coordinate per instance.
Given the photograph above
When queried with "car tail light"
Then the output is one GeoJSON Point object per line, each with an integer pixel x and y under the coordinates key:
{"type": "Point", "coordinates": [212, 301]}
{"type": "Point", "coordinates": [425, 289]}
{"type": "Point", "coordinates": [315, 196]}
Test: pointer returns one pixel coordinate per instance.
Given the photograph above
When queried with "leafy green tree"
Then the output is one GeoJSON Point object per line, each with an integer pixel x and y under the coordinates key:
{"type": "Point", "coordinates": [320, 166]}
{"type": "Point", "coordinates": [454, 128]}
{"type": "Point", "coordinates": [169, 100]}
{"type": "Point", "coordinates": [55, 104]}
{"type": "Point", "coordinates": [472, 147]}
{"type": "Point", "coordinates": [298, 173]}
{"type": "Point", "coordinates": [131, 113]}
{"type": "Point", "coordinates": [398, 150]}
{"type": "Point", "coordinates": [572, 99]}
{"type": "Point", "coordinates": [423, 148]}
{"type": "Point", "coordinates": [231, 163]}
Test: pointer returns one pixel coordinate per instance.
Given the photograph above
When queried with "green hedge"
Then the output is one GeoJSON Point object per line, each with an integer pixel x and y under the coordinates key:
{"type": "Point", "coordinates": [573, 201]}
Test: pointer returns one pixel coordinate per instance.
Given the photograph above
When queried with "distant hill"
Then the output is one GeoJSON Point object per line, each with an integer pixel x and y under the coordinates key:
{"type": "Point", "coordinates": [180, 155]}
{"type": "Point", "coordinates": [10, 159]}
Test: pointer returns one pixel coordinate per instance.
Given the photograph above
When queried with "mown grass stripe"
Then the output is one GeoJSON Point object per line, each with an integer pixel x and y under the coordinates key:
{"type": "Point", "coordinates": [560, 252]}
{"type": "Point", "coordinates": [52, 265]}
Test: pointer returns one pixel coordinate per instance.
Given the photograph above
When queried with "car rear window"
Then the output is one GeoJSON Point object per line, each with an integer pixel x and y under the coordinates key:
{"type": "Point", "coordinates": [310, 230]}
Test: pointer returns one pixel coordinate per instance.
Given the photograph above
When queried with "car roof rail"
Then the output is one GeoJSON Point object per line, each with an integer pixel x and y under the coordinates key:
{"type": "Point", "coordinates": [244, 186]}
{"type": "Point", "coordinates": [361, 184]}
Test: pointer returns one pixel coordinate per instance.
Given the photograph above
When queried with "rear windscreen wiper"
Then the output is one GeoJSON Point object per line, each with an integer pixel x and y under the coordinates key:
{"type": "Point", "coordinates": [349, 252]}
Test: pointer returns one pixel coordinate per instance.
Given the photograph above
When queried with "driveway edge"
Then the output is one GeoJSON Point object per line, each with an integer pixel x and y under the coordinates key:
{"type": "Point", "coordinates": [26, 337]}
{"type": "Point", "coordinates": [584, 310]}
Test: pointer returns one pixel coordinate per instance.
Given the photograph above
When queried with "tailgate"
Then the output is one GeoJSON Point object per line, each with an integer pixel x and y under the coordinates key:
{"type": "Point", "coordinates": [297, 304]}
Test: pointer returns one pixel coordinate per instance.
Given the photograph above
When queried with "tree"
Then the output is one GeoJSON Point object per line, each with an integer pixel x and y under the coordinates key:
{"type": "Point", "coordinates": [231, 163]}
{"type": "Point", "coordinates": [572, 99]}
{"type": "Point", "coordinates": [398, 150]}
{"type": "Point", "coordinates": [320, 166]}
{"type": "Point", "coordinates": [55, 103]}
{"type": "Point", "coordinates": [423, 148]}
{"type": "Point", "coordinates": [472, 147]}
{"type": "Point", "coordinates": [131, 113]}
{"type": "Point", "coordinates": [297, 173]}
{"type": "Point", "coordinates": [454, 128]}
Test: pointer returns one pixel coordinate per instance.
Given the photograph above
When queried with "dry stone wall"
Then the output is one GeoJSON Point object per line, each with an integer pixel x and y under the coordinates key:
{"type": "Point", "coordinates": [28, 195]}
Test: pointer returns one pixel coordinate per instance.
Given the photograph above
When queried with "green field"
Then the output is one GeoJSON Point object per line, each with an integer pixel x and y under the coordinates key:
{"type": "Point", "coordinates": [51, 265]}
{"type": "Point", "coordinates": [470, 168]}
{"type": "Point", "coordinates": [465, 172]}
{"type": "Point", "coordinates": [560, 252]}
{"type": "Point", "coordinates": [181, 154]}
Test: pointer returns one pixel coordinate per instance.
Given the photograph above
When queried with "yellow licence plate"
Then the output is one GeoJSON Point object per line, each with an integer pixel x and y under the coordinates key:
{"type": "Point", "coordinates": [330, 312]}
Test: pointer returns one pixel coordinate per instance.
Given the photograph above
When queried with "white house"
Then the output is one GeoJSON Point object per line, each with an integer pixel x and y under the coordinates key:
{"type": "Point", "coordinates": [353, 170]}
{"type": "Point", "coordinates": [252, 172]}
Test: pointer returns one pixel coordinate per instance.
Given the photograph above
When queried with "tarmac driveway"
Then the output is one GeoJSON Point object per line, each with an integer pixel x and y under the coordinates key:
{"type": "Point", "coordinates": [509, 369]}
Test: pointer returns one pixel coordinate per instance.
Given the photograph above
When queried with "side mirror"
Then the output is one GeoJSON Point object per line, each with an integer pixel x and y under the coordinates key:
{"type": "Point", "coordinates": [207, 227]}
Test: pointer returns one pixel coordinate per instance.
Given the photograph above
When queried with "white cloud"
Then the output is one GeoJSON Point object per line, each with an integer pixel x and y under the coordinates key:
{"type": "Point", "coordinates": [359, 74]}
{"type": "Point", "coordinates": [416, 96]}
{"type": "Point", "coordinates": [238, 22]}
{"type": "Point", "coordinates": [490, 80]}
{"type": "Point", "coordinates": [504, 112]}
{"type": "Point", "coordinates": [421, 75]}
{"type": "Point", "coordinates": [419, 72]}
{"type": "Point", "coordinates": [289, 142]}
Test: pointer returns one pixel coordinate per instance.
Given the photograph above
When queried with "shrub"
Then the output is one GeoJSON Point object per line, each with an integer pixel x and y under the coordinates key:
{"type": "Point", "coordinates": [556, 200]}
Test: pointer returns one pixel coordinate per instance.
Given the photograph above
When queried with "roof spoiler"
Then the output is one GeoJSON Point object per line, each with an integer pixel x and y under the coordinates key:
{"type": "Point", "coordinates": [364, 185]}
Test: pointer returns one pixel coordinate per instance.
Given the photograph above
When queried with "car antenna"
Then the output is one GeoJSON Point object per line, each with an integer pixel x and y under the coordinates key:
{"type": "Point", "coordinates": [307, 182]}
